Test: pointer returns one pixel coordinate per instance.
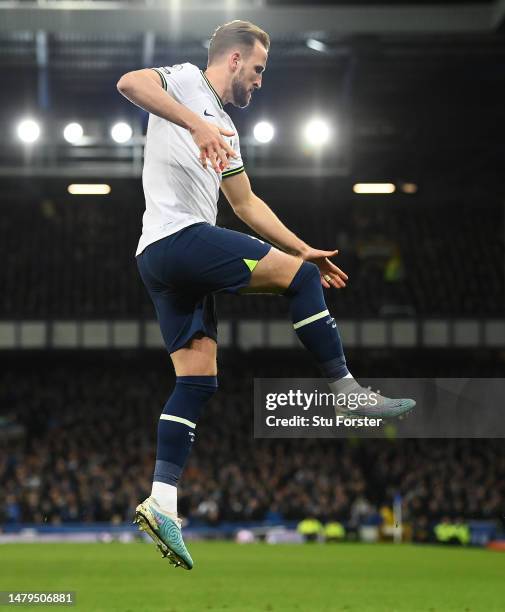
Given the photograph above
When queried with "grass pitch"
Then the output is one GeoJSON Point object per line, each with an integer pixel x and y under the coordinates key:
{"type": "Point", "coordinates": [261, 578]}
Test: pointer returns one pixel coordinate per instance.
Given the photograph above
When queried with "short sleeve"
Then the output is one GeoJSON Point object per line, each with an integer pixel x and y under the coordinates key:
{"type": "Point", "coordinates": [236, 164]}
{"type": "Point", "coordinates": [180, 81]}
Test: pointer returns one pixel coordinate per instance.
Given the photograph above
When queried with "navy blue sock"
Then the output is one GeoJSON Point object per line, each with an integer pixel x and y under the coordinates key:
{"type": "Point", "coordinates": [313, 324]}
{"type": "Point", "coordinates": [176, 428]}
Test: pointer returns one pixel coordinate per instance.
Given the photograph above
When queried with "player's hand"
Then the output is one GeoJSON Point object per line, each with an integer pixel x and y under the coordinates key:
{"type": "Point", "coordinates": [331, 275]}
{"type": "Point", "coordinates": [213, 147]}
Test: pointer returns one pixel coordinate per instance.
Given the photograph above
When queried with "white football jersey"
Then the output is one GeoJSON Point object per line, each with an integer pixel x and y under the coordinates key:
{"type": "Point", "coordinates": [178, 190]}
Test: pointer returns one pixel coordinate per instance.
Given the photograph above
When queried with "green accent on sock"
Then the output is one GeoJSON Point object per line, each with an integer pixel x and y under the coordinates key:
{"type": "Point", "coordinates": [251, 263]}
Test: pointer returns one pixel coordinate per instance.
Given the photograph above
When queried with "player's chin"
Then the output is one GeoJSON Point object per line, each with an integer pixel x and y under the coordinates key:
{"type": "Point", "coordinates": [244, 102]}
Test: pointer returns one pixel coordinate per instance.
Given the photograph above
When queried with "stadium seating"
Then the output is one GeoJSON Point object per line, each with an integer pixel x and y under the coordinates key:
{"type": "Point", "coordinates": [403, 258]}
{"type": "Point", "coordinates": [80, 434]}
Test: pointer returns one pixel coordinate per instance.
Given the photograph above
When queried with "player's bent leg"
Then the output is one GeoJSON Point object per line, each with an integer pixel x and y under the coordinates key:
{"type": "Point", "coordinates": [300, 282]}
{"type": "Point", "coordinates": [196, 382]}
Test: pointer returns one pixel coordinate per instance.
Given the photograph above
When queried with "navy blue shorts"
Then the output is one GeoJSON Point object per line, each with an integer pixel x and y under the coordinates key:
{"type": "Point", "coordinates": [182, 272]}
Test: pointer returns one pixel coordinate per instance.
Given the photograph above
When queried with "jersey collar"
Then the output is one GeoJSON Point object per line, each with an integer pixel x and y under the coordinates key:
{"type": "Point", "coordinates": [212, 89]}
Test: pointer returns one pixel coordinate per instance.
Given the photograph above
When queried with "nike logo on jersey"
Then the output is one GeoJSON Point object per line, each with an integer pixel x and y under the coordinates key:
{"type": "Point", "coordinates": [207, 114]}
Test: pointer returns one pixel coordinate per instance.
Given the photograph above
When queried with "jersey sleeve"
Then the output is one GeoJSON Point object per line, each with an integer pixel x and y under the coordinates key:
{"type": "Point", "coordinates": [236, 164]}
{"type": "Point", "coordinates": [180, 81]}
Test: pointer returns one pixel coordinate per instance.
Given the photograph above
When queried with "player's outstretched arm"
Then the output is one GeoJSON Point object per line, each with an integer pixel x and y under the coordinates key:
{"type": "Point", "coordinates": [260, 217]}
{"type": "Point", "coordinates": [143, 88]}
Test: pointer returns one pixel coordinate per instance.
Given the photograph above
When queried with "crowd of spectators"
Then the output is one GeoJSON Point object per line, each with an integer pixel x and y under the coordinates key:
{"type": "Point", "coordinates": [79, 438]}
{"type": "Point", "coordinates": [76, 258]}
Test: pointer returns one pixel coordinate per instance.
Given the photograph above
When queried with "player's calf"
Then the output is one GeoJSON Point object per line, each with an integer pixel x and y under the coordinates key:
{"type": "Point", "coordinates": [318, 332]}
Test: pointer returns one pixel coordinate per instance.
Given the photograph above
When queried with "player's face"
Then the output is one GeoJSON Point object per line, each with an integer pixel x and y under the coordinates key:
{"type": "Point", "coordinates": [249, 76]}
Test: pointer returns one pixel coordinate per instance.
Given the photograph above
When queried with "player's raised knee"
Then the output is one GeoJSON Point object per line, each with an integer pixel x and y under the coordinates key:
{"type": "Point", "coordinates": [307, 273]}
{"type": "Point", "coordinates": [275, 270]}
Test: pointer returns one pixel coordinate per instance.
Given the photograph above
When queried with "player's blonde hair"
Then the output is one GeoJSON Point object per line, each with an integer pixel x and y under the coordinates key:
{"type": "Point", "coordinates": [236, 33]}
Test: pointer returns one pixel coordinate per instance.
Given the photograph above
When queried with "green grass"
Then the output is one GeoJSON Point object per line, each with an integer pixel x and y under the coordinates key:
{"type": "Point", "coordinates": [259, 577]}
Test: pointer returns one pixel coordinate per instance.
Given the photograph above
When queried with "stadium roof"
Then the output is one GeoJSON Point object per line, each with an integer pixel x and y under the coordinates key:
{"type": "Point", "coordinates": [281, 18]}
{"type": "Point", "coordinates": [63, 58]}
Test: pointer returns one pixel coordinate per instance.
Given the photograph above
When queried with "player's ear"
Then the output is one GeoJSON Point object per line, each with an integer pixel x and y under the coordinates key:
{"type": "Point", "coordinates": [235, 58]}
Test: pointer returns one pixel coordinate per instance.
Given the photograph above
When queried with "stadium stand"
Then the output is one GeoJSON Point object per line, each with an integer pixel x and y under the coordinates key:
{"type": "Point", "coordinates": [79, 433]}
{"type": "Point", "coordinates": [403, 259]}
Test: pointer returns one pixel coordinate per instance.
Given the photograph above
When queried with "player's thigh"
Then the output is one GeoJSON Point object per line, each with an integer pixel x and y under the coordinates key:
{"type": "Point", "coordinates": [274, 272]}
{"type": "Point", "coordinates": [196, 358]}
{"type": "Point", "coordinates": [221, 260]}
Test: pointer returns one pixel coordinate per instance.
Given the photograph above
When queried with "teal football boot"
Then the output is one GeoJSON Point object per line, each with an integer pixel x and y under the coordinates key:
{"type": "Point", "coordinates": [164, 529]}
